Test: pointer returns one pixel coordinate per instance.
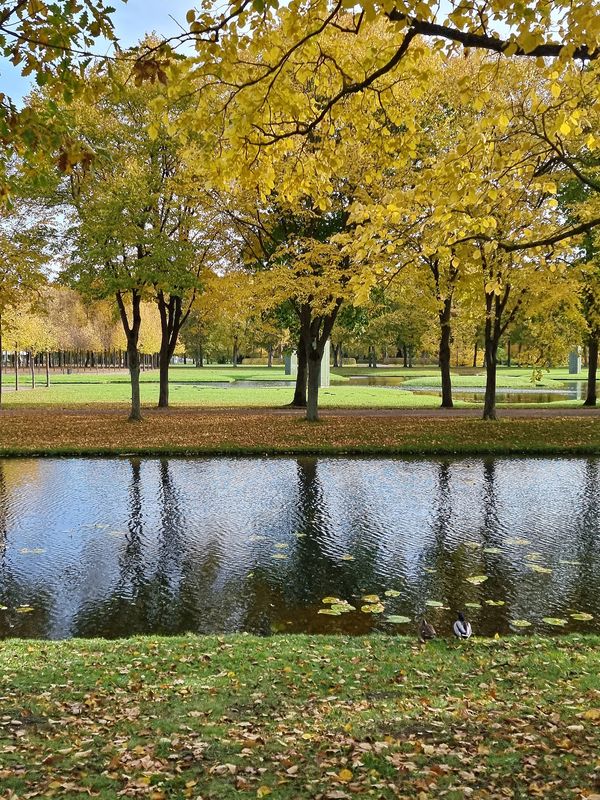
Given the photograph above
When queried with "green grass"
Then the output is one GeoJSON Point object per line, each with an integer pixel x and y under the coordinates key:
{"type": "Point", "coordinates": [294, 717]}
{"type": "Point", "coordinates": [113, 387]}
{"type": "Point", "coordinates": [504, 380]}
{"type": "Point", "coordinates": [177, 374]}
{"type": "Point", "coordinates": [183, 394]}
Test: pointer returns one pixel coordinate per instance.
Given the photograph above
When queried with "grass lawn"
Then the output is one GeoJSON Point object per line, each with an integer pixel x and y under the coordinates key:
{"type": "Point", "coordinates": [505, 379]}
{"type": "Point", "coordinates": [177, 374]}
{"type": "Point", "coordinates": [292, 717]}
{"type": "Point", "coordinates": [194, 395]}
{"type": "Point", "coordinates": [105, 430]}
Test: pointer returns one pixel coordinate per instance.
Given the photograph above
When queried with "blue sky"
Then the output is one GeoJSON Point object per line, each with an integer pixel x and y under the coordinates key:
{"type": "Point", "coordinates": [131, 21]}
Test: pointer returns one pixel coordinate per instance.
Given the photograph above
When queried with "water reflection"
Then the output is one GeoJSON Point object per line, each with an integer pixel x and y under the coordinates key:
{"type": "Point", "coordinates": [113, 547]}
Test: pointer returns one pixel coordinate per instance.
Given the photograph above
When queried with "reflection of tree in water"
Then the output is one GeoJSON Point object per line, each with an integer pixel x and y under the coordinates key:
{"type": "Point", "coordinates": [582, 594]}
{"type": "Point", "coordinates": [205, 604]}
{"type": "Point", "coordinates": [436, 579]}
{"type": "Point", "coordinates": [123, 612]}
{"type": "Point", "coordinates": [14, 592]}
{"type": "Point", "coordinates": [164, 607]}
{"type": "Point", "coordinates": [448, 568]}
{"type": "Point", "coordinates": [500, 583]}
{"type": "Point", "coordinates": [311, 572]}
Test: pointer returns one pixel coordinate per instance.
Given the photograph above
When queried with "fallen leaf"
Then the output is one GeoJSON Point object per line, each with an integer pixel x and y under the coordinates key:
{"type": "Point", "coordinates": [477, 579]}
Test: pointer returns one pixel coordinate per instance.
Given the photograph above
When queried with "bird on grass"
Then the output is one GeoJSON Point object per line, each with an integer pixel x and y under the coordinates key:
{"type": "Point", "coordinates": [426, 631]}
{"type": "Point", "coordinates": [462, 629]}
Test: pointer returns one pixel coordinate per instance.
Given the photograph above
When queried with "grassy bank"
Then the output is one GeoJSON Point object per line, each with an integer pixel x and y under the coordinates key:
{"type": "Point", "coordinates": [300, 717]}
{"type": "Point", "coordinates": [91, 430]}
{"type": "Point", "coordinates": [232, 396]}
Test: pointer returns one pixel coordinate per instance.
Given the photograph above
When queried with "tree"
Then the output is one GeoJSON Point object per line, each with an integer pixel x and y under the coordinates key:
{"type": "Point", "coordinates": [141, 227]}
{"type": "Point", "coordinates": [51, 43]}
{"type": "Point", "coordinates": [23, 258]}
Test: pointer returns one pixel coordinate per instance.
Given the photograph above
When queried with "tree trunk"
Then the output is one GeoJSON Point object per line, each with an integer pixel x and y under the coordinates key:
{"type": "Point", "coordinates": [405, 356]}
{"type": "Point", "coordinates": [235, 351]}
{"type": "Point", "coordinates": [270, 356]}
{"type": "Point", "coordinates": [172, 320]}
{"type": "Point", "coordinates": [132, 334]}
{"type": "Point", "coordinates": [315, 339]}
{"type": "Point", "coordinates": [508, 354]}
{"type": "Point", "coordinates": [337, 349]}
{"type": "Point", "coordinates": [133, 359]}
{"type": "Point", "coordinates": [491, 354]}
{"type": "Point", "coordinates": [32, 368]}
{"type": "Point", "coordinates": [163, 377]}
{"type": "Point", "coordinates": [444, 352]}
{"type": "Point", "coordinates": [299, 400]}
{"type": "Point", "coordinates": [593, 343]}
{"type": "Point", "coordinates": [314, 372]}
{"type": "Point", "coordinates": [372, 357]}
{"type": "Point", "coordinates": [475, 349]}
{"type": "Point", "coordinates": [47, 369]}
{"type": "Point", "coordinates": [16, 367]}
{"type": "Point", "coordinates": [200, 356]}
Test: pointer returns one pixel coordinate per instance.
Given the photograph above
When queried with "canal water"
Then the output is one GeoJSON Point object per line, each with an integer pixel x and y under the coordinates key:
{"type": "Point", "coordinates": [114, 547]}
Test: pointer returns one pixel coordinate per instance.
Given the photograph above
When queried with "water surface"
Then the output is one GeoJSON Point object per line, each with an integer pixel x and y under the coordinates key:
{"type": "Point", "coordinates": [112, 547]}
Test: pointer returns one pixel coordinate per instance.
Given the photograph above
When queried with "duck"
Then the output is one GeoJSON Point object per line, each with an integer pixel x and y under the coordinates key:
{"type": "Point", "coordinates": [426, 631]}
{"type": "Point", "coordinates": [462, 629]}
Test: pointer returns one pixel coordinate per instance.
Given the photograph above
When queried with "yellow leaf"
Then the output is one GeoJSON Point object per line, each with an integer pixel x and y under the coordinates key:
{"type": "Point", "coordinates": [263, 791]}
{"type": "Point", "coordinates": [345, 775]}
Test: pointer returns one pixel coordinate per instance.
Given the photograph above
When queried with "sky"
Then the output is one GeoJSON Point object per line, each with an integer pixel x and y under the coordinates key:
{"type": "Point", "coordinates": [131, 21]}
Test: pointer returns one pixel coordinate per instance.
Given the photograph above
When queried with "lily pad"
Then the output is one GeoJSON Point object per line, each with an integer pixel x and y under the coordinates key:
{"type": "Point", "coordinates": [434, 603]}
{"type": "Point", "coordinates": [494, 602]}
{"type": "Point", "coordinates": [558, 621]}
{"type": "Point", "coordinates": [538, 568]}
{"type": "Point", "coordinates": [571, 563]}
{"type": "Point", "coordinates": [517, 540]}
{"type": "Point", "coordinates": [392, 593]}
{"type": "Point", "coordinates": [347, 557]}
{"type": "Point", "coordinates": [331, 600]}
{"type": "Point", "coordinates": [343, 607]}
{"type": "Point", "coordinates": [373, 608]}
{"type": "Point", "coordinates": [477, 579]}
{"type": "Point", "coordinates": [520, 623]}
{"type": "Point", "coordinates": [3, 608]}
{"type": "Point", "coordinates": [473, 605]}
{"type": "Point", "coordinates": [279, 556]}
{"type": "Point", "coordinates": [281, 545]}
{"type": "Point", "coordinates": [492, 550]}
{"type": "Point", "coordinates": [370, 598]}
{"type": "Point", "coordinates": [24, 609]}
{"type": "Point", "coordinates": [329, 611]}
{"type": "Point", "coordinates": [397, 619]}
{"type": "Point", "coordinates": [582, 616]}
{"type": "Point", "coordinates": [473, 545]}
{"type": "Point", "coordinates": [535, 556]}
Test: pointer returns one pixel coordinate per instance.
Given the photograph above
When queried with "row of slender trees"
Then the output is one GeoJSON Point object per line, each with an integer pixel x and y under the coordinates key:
{"type": "Point", "coordinates": [437, 192]}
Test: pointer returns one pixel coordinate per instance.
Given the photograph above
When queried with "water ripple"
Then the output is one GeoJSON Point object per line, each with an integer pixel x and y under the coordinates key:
{"type": "Point", "coordinates": [112, 547]}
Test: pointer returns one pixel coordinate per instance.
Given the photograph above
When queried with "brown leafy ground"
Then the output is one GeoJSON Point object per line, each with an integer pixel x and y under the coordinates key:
{"type": "Point", "coordinates": [96, 429]}
{"type": "Point", "coordinates": [300, 718]}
